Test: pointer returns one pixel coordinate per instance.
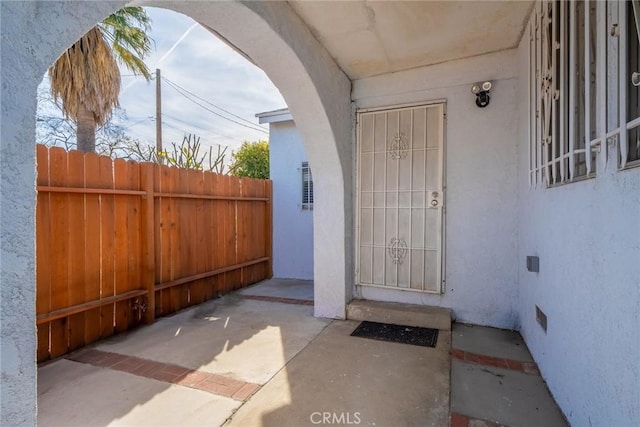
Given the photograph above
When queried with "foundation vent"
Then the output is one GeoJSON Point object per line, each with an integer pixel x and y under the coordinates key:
{"type": "Point", "coordinates": [541, 318]}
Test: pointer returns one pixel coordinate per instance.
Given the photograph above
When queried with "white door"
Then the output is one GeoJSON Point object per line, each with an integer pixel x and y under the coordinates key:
{"type": "Point", "coordinates": [400, 198]}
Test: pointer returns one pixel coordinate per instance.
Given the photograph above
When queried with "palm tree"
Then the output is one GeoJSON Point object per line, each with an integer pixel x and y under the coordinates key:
{"type": "Point", "coordinates": [85, 79]}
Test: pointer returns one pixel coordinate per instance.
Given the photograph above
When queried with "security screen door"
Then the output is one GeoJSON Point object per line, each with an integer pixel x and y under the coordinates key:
{"type": "Point", "coordinates": [400, 198]}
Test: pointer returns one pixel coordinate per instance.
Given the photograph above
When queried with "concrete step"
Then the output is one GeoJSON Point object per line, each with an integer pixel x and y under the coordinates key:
{"type": "Point", "coordinates": [400, 314]}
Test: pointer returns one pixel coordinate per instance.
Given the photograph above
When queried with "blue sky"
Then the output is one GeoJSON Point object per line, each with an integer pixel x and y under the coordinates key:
{"type": "Point", "coordinates": [207, 67]}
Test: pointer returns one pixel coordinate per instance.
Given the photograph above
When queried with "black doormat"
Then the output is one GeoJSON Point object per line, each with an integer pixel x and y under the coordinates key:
{"type": "Point", "coordinates": [425, 337]}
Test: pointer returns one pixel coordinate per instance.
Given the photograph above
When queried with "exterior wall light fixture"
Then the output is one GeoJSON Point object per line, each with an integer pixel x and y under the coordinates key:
{"type": "Point", "coordinates": [482, 93]}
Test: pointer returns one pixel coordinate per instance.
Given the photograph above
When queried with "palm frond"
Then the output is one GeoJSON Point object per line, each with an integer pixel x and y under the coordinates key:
{"type": "Point", "coordinates": [126, 31]}
{"type": "Point", "coordinates": [86, 74]}
{"type": "Point", "coordinates": [85, 79]}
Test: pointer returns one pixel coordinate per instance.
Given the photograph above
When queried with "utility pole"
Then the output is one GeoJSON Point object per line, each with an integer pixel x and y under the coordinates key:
{"type": "Point", "coordinates": [158, 114]}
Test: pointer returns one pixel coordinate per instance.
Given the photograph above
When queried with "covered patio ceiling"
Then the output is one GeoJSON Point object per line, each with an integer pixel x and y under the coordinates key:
{"type": "Point", "coordinates": [368, 38]}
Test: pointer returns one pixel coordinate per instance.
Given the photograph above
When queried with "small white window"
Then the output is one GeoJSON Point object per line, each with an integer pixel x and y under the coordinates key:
{"type": "Point", "coordinates": [307, 187]}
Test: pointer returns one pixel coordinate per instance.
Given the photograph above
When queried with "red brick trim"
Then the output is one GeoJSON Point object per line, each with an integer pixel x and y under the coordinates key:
{"type": "Point", "coordinates": [278, 299]}
{"type": "Point", "coordinates": [173, 374]}
{"type": "Point", "coordinates": [459, 420]}
{"type": "Point", "coordinates": [480, 359]}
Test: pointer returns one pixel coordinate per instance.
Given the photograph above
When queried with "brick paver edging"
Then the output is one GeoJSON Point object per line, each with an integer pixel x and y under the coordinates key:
{"type": "Point", "coordinates": [173, 374]}
{"type": "Point", "coordinates": [459, 420]}
{"type": "Point", "coordinates": [498, 362]}
{"type": "Point", "coordinates": [278, 299]}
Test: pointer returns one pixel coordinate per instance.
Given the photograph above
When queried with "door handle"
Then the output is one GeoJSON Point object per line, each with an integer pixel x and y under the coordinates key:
{"type": "Point", "coordinates": [434, 199]}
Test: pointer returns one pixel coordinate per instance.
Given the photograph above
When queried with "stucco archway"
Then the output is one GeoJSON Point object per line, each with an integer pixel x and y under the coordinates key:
{"type": "Point", "coordinates": [317, 93]}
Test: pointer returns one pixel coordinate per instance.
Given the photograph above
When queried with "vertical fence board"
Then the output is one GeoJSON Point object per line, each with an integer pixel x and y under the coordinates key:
{"type": "Point", "coordinates": [185, 221]}
{"type": "Point", "coordinates": [76, 259]}
{"type": "Point", "coordinates": [134, 247]}
{"type": "Point", "coordinates": [259, 227]}
{"type": "Point", "coordinates": [199, 238]}
{"type": "Point", "coordinates": [159, 230]}
{"type": "Point", "coordinates": [176, 241]}
{"type": "Point", "coordinates": [92, 247]}
{"type": "Point", "coordinates": [230, 218]}
{"type": "Point", "coordinates": [247, 232]}
{"type": "Point", "coordinates": [148, 239]}
{"type": "Point", "coordinates": [223, 227]}
{"type": "Point", "coordinates": [206, 261]}
{"type": "Point", "coordinates": [254, 210]}
{"type": "Point", "coordinates": [265, 229]}
{"type": "Point", "coordinates": [217, 229]}
{"type": "Point", "coordinates": [244, 229]}
{"type": "Point", "coordinates": [107, 247]}
{"type": "Point", "coordinates": [59, 236]}
{"type": "Point", "coordinates": [268, 228]}
{"type": "Point", "coordinates": [260, 231]}
{"type": "Point", "coordinates": [43, 254]}
{"type": "Point", "coordinates": [166, 236]}
{"type": "Point", "coordinates": [258, 222]}
{"type": "Point", "coordinates": [236, 190]}
{"type": "Point", "coordinates": [241, 221]}
{"type": "Point", "coordinates": [120, 170]}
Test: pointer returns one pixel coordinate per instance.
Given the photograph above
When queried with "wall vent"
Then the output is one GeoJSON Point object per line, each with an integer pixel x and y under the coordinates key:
{"type": "Point", "coordinates": [533, 264]}
{"type": "Point", "coordinates": [541, 318]}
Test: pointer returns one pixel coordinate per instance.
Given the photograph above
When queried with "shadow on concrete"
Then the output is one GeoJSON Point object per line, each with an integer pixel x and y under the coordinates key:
{"type": "Point", "coordinates": [232, 336]}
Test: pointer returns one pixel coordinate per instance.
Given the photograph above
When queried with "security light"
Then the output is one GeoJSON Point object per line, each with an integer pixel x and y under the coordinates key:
{"type": "Point", "coordinates": [481, 91]}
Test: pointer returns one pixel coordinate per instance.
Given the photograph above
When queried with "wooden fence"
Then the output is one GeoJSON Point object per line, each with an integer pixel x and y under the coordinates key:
{"type": "Point", "coordinates": [121, 243]}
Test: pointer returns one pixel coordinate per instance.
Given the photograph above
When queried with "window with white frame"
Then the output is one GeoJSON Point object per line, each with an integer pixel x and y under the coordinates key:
{"type": "Point", "coordinates": [582, 91]}
{"type": "Point", "coordinates": [307, 187]}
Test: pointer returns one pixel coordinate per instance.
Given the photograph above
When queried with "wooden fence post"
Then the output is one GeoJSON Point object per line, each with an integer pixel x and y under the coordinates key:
{"type": "Point", "coordinates": [269, 228]}
{"type": "Point", "coordinates": [148, 239]}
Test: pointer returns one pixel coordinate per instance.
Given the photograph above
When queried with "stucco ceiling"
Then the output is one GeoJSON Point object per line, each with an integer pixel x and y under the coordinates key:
{"type": "Point", "coordinates": [367, 38]}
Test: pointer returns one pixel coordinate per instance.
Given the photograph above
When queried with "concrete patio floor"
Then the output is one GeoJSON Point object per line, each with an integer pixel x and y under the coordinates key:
{"type": "Point", "coordinates": [258, 357]}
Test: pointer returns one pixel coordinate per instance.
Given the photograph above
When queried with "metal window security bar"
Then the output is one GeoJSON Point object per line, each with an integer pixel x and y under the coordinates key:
{"type": "Point", "coordinates": [307, 187]}
{"type": "Point", "coordinates": [584, 88]}
{"type": "Point", "coordinates": [632, 154]}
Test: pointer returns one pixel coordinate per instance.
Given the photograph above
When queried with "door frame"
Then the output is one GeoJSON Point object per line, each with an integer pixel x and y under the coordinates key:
{"type": "Point", "coordinates": [356, 198]}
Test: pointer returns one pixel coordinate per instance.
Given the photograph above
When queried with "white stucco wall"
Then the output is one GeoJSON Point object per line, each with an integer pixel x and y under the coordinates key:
{"type": "Point", "coordinates": [34, 33]}
{"type": "Point", "coordinates": [292, 226]}
{"type": "Point", "coordinates": [587, 235]}
{"type": "Point", "coordinates": [481, 186]}
{"type": "Point", "coordinates": [32, 36]}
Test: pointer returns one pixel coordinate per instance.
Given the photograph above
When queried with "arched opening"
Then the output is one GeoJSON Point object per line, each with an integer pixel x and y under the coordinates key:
{"type": "Point", "coordinates": [317, 93]}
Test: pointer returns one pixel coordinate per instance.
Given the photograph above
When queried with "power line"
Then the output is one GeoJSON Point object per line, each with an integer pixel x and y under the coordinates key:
{"type": "Point", "coordinates": [212, 104]}
{"type": "Point", "coordinates": [197, 127]}
{"type": "Point", "coordinates": [137, 123]}
{"type": "Point", "coordinates": [164, 122]}
{"type": "Point", "coordinates": [214, 112]}
{"type": "Point", "coordinates": [171, 126]}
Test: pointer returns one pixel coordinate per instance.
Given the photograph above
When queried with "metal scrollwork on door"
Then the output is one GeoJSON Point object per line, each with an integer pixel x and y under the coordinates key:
{"type": "Point", "coordinates": [398, 147]}
{"type": "Point", "coordinates": [397, 250]}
